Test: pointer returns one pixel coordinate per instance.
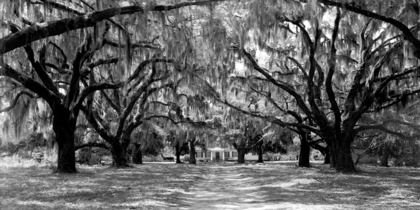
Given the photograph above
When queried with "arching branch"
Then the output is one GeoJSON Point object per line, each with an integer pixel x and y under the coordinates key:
{"type": "Point", "coordinates": [141, 44]}
{"type": "Point", "coordinates": [102, 61]}
{"type": "Point", "coordinates": [29, 83]}
{"type": "Point", "coordinates": [360, 10]}
{"type": "Point", "coordinates": [104, 146]}
{"type": "Point", "coordinates": [285, 87]}
{"type": "Point", "coordinates": [111, 102]}
{"type": "Point", "coordinates": [53, 28]}
{"type": "Point", "coordinates": [328, 82]}
{"type": "Point", "coordinates": [16, 99]}
{"type": "Point", "coordinates": [92, 116]}
{"type": "Point", "coordinates": [39, 67]}
{"type": "Point", "coordinates": [382, 127]}
{"type": "Point", "coordinates": [92, 88]}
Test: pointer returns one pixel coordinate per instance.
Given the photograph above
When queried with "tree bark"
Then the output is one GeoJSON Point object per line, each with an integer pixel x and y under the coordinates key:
{"type": "Point", "coordinates": [341, 158]}
{"type": "Point", "coordinates": [327, 156]}
{"type": "Point", "coordinates": [241, 155]}
{"type": "Point", "coordinates": [385, 155]}
{"type": "Point", "coordinates": [178, 153]}
{"type": "Point", "coordinates": [119, 155]}
{"type": "Point", "coordinates": [260, 154]}
{"type": "Point", "coordinates": [137, 155]}
{"type": "Point", "coordinates": [64, 127]}
{"type": "Point", "coordinates": [305, 153]}
{"type": "Point", "coordinates": [192, 153]}
{"type": "Point", "coordinates": [66, 162]}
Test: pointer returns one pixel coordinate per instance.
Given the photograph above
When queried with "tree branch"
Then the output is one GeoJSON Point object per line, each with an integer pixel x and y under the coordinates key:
{"type": "Point", "coordinates": [38, 66]}
{"type": "Point", "coordinates": [383, 128]}
{"type": "Point", "coordinates": [111, 103]}
{"type": "Point", "coordinates": [195, 123]}
{"type": "Point", "coordinates": [328, 86]}
{"type": "Point", "coordinates": [358, 9]}
{"type": "Point", "coordinates": [100, 129]}
{"type": "Point", "coordinates": [267, 118]}
{"type": "Point", "coordinates": [53, 28]}
{"type": "Point", "coordinates": [15, 100]}
{"type": "Point", "coordinates": [103, 61]}
{"type": "Point", "coordinates": [92, 88]}
{"type": "Point", "coordinates": [100, 145]}
{"type": "Point", "coordinates": [300, 102]}
{"type": "Point", "coordinates": [141, 44]}
{"type": "Point", "coordinates": [29, 83]}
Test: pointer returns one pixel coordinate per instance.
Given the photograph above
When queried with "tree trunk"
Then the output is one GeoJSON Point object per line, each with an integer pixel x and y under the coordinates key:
{"type": "Point", "coordinates": [385, 155]}
{"type": "Point", "coordinates": [341, 158]}
{"type": "Point", "coordinates": [260, 154]}
{"type": "Point", "coordinates": [241, 155]}
{"type": "Point", "coordinates": [305, 153]}
{"type": "Point", "coordinates": [137, 155]}
{"type": "Point", "coordinates": [178, 153]}
{"type": "Point", "coordinates": [64, 127]}
{"type": "Point", "coordinates": [66, 162]}
{"type": "Point", "coordinates": [119, 155]}
{"type": "Point", "coordinates": [327, 156]}
{"type": "Point", "coordinates": [192, 153]}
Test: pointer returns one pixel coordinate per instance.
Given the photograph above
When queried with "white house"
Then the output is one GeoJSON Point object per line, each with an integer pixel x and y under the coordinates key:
{"type": "Point", "coordinates": [216, 154]}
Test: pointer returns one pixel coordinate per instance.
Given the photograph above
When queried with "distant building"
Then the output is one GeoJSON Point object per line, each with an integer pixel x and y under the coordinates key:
{"type": "Point", "coordinates": [221, 151]}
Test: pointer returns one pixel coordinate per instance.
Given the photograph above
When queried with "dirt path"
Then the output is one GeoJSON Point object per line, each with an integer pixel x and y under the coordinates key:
{"type": "Point", "coordinates": [277, 185]}
{"type": "Point", "coordinates": [232, 187]}
{"type": "Point", "coordinates": [223, 188]}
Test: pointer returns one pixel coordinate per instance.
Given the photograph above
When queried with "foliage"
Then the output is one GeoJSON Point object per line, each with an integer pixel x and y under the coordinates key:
{"type": "Point", "coordinates": [257, 135]}
{"type": "Point", "coordinates": [150, 140]}
{"type": "Point", "coordinates": [285, 62]}
{"type": "Point", "coordinates": [178, 139]}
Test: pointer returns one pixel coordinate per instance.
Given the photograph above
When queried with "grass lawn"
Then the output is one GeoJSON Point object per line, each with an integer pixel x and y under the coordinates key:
{"type": "Point", "coordinates": [276, 185]}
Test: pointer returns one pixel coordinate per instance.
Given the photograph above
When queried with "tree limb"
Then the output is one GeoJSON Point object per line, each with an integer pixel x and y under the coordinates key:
{"type": "Point", "coordinates": [103, 61]}
{"type": "Point", "coordinates": [328, 86]}
{"type": "Point", "coordinates": [382, 127]}
{"type": "Point", "coordinates": [141, 44]}
{"type": "Point", "coordinates": [53, 28]}
{"type": "Point", "coordinates": [111, 103]}
{"type": "Point", "coordinates": [357, 9]}
{"type": "Point", "coordinates": [92, 88]}
{"type": "Point", "coordinates": [300, 102]}
{"type": "Point", "coordinates": [15, 100]}
{"type": "Point", "coordinates": [29, 83]}
{"type": "Point", "coordinates": [100, 145]}
{"type": "Point", "coordinates": [38, 66]}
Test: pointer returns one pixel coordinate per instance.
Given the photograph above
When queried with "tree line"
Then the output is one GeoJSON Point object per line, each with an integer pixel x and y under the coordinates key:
{"type": "Point", "coordinates": [318, 68]}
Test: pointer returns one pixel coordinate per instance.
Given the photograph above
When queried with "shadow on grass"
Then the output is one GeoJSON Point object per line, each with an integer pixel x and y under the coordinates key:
{"type": "Point", "coordinates": [210, 186]}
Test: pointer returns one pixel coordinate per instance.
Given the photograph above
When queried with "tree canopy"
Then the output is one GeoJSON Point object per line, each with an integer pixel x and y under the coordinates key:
{"type": "Point", "coordinates": [319, 68]}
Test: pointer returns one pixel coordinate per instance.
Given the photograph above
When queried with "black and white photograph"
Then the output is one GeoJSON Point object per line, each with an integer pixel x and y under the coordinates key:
{"type": "Point", "coordinates": [210, 104]}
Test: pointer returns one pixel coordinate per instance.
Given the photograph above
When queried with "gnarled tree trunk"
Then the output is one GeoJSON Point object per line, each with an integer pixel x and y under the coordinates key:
{"type": "Point", "coordinates": [327, 156]}
{"type": "Point", "coordinates": [260, 154]}
{"type": "Point", "coordinates": [119, 155]}
{"type": "Point", "coordinates": [241, 155]}
{"type": "Point", "coordinates": [341, 158]}
{"type": "Point", "coordinates": [304, 154]}
{"type": "Point", "coordinates": [66, 161]}
{"type": "Point", "coordinates": [178, 152]}
{"type": "Point", "coordinates": [64, 127]}
{"type": "Point", "coordinates": [192, 153]}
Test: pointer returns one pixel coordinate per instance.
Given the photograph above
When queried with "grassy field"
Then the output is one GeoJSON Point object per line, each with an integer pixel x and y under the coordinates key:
{"type": "Point", "coordinates": [276, 185]}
